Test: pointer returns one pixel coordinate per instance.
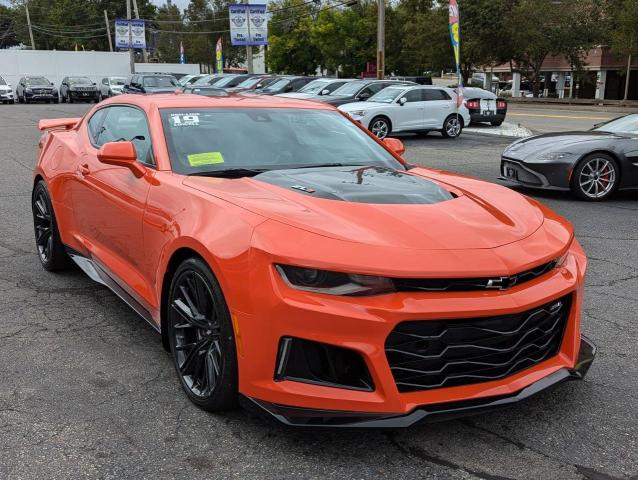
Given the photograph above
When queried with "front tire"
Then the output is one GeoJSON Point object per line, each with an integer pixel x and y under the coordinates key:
{"type": "Point", "coordinates": [49, 246]}
{"type": "Point", "coordinates": [201, 337]}
{"type": "Point", "coordinates": [595, 178]}
{"type": "Point", "coordinates": [380, 127]}
{"type": "Point", "coordinates": [452, 127]}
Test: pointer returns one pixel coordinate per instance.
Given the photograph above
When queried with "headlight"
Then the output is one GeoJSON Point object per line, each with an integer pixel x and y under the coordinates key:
{"type": "Point", "coordinates": [28, 90]}
{"type": "Point", "coordinates": [553, 156]}
{"type": "Point", "coordinates": [358, 113]}
{"type": "Point", "coordinates": [333, 283]}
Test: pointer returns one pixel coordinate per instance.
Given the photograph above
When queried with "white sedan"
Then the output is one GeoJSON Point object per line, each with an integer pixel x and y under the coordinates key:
{"type": "Point", "coordinates": [420, 108]}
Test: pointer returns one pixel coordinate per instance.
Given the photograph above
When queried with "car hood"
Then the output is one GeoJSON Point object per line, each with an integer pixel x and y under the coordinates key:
{"type": "Point", "coordinates": [384, 208]}
{"type": "Point", "coordinates": [349, 107]}
{"type": "Point", "coordinates": [5, 88]}
{"type": "Point", "coordinates": [557, 142]}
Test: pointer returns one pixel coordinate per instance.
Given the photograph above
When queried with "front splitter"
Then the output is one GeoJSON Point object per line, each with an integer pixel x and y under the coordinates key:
{"type": "Point", "coordinates": [304, 417]}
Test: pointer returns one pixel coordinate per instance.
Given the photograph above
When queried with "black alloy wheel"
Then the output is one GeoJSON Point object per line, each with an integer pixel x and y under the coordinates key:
{"type": "Point", "coordinates": [49, 246]}
{"type": "Point", "coordinates": [201, 338]}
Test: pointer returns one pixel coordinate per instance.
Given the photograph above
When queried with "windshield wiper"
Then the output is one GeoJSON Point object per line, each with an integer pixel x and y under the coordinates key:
{"type": "Point", "coordinates": [322, 165]}
{"type": "Point", "coordinates": [231, 173]}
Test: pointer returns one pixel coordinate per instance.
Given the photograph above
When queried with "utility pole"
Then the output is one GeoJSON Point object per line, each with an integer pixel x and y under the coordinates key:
{"type": "Point", "coordinates": [26, 6]}
{"type": "Point", "coordinates": [130, 37]}
{"type": "Point", "coordinates": [381, 39]}
{"type": "Point", "coordinates": [137, 16]}
{"type": "Point", "coordinates": [249, 48]}
{"type": "Point", "coordinates": [108, 30]}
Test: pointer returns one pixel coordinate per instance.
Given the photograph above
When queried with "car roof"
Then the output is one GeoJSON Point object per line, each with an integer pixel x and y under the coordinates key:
{"type": "Point", "coordinates": [186, 100]}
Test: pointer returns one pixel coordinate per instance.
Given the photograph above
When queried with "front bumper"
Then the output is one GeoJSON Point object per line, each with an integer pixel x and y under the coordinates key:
{"type": "Point", "coordinates": [303, 417]}
{"type": "Point", "coordinates": [6, 96]}
{"type": "Point", "coordinates": [40, 97]}
{"type": "Point", "coordinates": [548, 176]}
{"type": "Point", "coordinates": [91, 95]}
{"type": "Point", "coordinates": [264, 315]}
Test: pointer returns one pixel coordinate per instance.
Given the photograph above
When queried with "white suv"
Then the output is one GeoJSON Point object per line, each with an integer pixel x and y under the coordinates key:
{"type": "Point", "coordinates": [6, 93]}
{"type": "Point", "coordinates": [410, 109]}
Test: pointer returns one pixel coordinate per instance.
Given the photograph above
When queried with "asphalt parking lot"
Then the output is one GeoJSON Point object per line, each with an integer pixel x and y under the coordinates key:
{"type": "Point", "coordinates": [87, 391]}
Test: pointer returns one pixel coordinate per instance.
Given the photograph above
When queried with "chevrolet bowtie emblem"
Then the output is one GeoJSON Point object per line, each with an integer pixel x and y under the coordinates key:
{"type": "Point", "coordinates": [501, 283]}
{"type": "Point", "coordinates": [303, 189]}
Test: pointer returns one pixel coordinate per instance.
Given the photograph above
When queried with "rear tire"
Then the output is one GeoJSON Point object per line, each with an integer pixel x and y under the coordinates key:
{"type": "Point", "coordinates": [452, 127]}
{"type": "Point", "coordinates": [201, 338]}
{"type": "Point", "coordinates": [595, 178]}
{"type": "Point", "coordinates": [51, 251]}
{"type": "Point", "coordinates": [380, 127]}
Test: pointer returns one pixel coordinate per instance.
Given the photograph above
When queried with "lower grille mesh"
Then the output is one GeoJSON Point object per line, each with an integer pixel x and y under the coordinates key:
{"type": "Point", "coordinates": [427, 354]}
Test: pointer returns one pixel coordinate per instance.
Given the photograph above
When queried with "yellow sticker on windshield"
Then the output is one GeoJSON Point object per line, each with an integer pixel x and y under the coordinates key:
{"type": "Point", "coordinates": [208, 158]}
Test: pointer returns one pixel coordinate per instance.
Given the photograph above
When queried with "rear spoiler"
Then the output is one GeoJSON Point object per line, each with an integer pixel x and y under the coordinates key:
{"type": "Point", "coordinates": [58, 123]}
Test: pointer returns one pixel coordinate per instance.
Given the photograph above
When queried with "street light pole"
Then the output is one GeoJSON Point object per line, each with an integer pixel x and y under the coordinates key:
{"type": "Point", "coordinates": [130, 37]}
{"type": "Point", "coordinates": [26, 6]}
{"type": "Point", "coordinates": [137, 16]}
{"type": "Point", "coordinates": [381, 39]}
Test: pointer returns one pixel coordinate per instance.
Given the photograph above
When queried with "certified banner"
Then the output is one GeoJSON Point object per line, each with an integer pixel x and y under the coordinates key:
{"type": "Point", "coordinates": [137, 33]}
{"type": "Point", "coordinates": [238, 24]}
{"type": "Point", "coordinates": [248, 24]}
{"type": "Point", "coordinates": [121, 33]}
{"type": "Point", "coordinates": [258, 24]}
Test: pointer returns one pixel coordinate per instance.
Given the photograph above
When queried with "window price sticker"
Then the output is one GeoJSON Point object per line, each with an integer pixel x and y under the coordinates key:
{"type": "Point", "coordinates": [184, 119]}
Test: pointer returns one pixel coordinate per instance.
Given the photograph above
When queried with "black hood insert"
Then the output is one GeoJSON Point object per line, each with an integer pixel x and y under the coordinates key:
{"type": "Point", "coordinates": [358, 184]}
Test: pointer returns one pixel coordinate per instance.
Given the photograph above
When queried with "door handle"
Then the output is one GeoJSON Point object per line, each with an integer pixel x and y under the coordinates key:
{"type": "Point", "coordinates": [83, 169]}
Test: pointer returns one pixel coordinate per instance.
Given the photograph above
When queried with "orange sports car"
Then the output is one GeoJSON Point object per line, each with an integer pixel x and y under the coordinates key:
{"type": "Point", "coordinates": [293, 262]}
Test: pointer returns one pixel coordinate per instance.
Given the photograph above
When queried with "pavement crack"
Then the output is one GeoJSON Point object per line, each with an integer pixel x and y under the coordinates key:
{"type": "Point", "coordinates": [421, 454]}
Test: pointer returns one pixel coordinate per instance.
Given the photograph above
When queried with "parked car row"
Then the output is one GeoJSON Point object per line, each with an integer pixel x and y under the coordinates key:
{"type": "Point", "coordinates": [392, 106]}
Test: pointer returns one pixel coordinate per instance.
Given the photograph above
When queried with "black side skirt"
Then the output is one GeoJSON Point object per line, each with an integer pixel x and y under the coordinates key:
{"type": "Point", "coordinates": [100, 274]}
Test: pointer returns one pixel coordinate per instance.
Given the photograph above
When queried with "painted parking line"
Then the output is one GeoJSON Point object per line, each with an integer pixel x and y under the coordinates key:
{"type": "Point", "coordinates": [575, 117]}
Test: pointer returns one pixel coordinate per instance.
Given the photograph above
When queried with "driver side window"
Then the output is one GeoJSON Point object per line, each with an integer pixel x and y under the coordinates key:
{"type": "Point", "coordinates": [126, 124]}
{"type": "Point", "coordinates": [413, 96]}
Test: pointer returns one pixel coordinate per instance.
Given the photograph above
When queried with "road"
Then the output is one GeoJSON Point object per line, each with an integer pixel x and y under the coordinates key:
{"type": "Point", "coordinates": [558, 118]}
{"type": "Point", "coordinates": [86, 390]}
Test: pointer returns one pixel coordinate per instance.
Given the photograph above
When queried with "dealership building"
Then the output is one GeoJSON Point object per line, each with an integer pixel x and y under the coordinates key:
{"type": "Point", "coordinates": [603, 78]}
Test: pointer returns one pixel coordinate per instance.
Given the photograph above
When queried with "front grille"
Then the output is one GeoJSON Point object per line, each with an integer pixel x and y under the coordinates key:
{"type": "Point", "coordinates": [470, 284]}
{"type": "Point", "coordinates": [514, 171]}
{"type": "Point", "coordinates": [426, 354]}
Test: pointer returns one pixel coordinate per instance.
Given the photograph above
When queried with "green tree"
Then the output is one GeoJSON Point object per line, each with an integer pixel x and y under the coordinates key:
{"type": "Point", "coordinates": [291, 49]}
{"type": "Point", "coordinates": [624, 35]}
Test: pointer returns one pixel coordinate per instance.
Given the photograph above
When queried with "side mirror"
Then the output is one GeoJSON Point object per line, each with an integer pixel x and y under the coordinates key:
{"type": "Point", "coordinates": [325, 92]}
{"type": "Point", "coordinates": [364, 96]}
{"type": "Point", "coordinates": [94, 83]}
{"type": "Point", "coordinates": [395, 145]}
{"type": "Point", "coordinates": [121, 154]}
{"type": "Point", "coordinates": [402, 101]}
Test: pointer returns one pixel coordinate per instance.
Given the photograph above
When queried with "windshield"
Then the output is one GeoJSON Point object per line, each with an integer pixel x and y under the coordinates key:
{"type": "Point", "coordinates": [250, 82]}
{"type": "Point", "coordinates": [387, 95]}
{"type": "Point", "coordinates": [350, 88]}
{"type": "Point", "coordinates": [36, 81]}
{"type": "Point", "coordinates": [225, 81]}
{"type": "Point", "coordinates": [80, 81]}
{"type": "Point", "coordinates": [117, 80]}
{"type": "Point", "coordinates": [626, 124]}
{"type": "Point", "coordinates": [158, 81]}
{"type": "Point", "coordinates": [213, 140]}
{"type": "Point", "coordinates": [315, 86]}
{"type": "Point", "coordinates": [278, 85]}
